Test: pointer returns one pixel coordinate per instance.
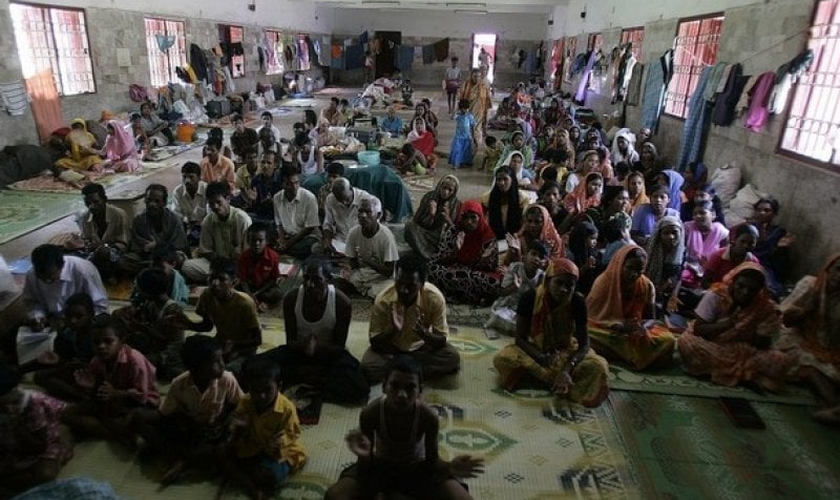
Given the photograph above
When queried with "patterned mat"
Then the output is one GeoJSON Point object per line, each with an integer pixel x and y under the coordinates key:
{"type": "Point", "coordinates": [24, 212]}
{"type": "Point", "coordinates": [535, 447]}
{"type": "Point", "coordinates": [111, 180]}
{"type": "Point", "coordinates": [687, 448]}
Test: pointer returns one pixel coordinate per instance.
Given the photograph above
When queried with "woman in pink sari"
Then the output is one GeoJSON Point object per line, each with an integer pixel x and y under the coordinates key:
{"type": "Point", "coordinates": [120, 151]}
{"type": "Point", "coordinates": [703, 237]}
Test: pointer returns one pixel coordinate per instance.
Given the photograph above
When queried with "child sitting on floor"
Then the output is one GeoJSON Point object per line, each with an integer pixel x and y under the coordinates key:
{"type": "Point", "coordinates": [403, 460]}
{"type": "Point", "coordinates": [232, 313]}
{"type": "Point", "coordinates": [264, 444]}
{"type": "Point", "coordinates": [520, 277]}
{"type": "Point", "coordinates": [150, 327]}
{"type": "Point", "coordinates": [410, 161]}
{"type": "Point", "coordinates": [194, 417]}
{"type": "Point", "coordinates": [117, 380]}
{"type": "Point", "coordinates": [31, 449]}
{"type": "Point", "coordinates": [73, 349]}
{"type": "Point", "coordinates": [165, 258]}
{"type": "Point", "coordinates": [492, 152]}
{"type": "Point", "coordinates": [258, 269]}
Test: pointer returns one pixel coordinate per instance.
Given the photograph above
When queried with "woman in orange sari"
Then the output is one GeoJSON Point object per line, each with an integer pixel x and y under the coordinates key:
{"type": "Point", "coordinates": [552, 345]}
{"type": "Point", "coordinates": [813, 339]}
{"type": "Point", "coordinates": [620, 302]}
{"type": "Point", "coordinates": [736, 321]}
{"type": "Point", "coordinates": [537, 226]}
{"type": "Point", "coordinates": [82, 154]}
{"type": "Point", "coordinates": [635, 185]}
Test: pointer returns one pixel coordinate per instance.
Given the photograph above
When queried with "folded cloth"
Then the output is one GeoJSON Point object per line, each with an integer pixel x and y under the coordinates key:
{"type": "Point", "coordinates": [14, 98]}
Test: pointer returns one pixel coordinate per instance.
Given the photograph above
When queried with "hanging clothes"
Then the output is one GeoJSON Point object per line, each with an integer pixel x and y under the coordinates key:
{"type": "Point", "coordinates": [441, 50]}
{"type": "Point", "coordinates": [696, 123]}
{"type": "Point", "coordinates": [634, 87]}
{"type": "Point", "coordinates": [364, 38]}
{"type": "Point", "coordinates": [337, 56]}
{"type": "Point", "coordinates": [580, 96]}
{"type": "Point", "coordinates": [354, 57]}
{"type": "Point", "coordinates": [658, 77]}
{"type": "Point", "coordinates": [428, 54]}
{"type": "Point", "coordinates": [403, 57]}
{"type": "Point", "coordinates": [198, 62]}
{"type": "Point", "coordinates": [758, 114]}
{"type": "Point", "coordinates": [714, 79]}
{"type": "Point", "coordinates": [13, 98]}
{"type": "Point", "coordinates": [724, 111]}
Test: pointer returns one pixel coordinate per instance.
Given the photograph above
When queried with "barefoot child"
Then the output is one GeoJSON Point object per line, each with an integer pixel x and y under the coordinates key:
{"type": "Point", "coordinates": [258, 269]}
{"type": "Point", "coordinates": [31, 449]}
{"type": "Point", "coordinates": [464, 142]}
{"type": "Point", "coordinates": [402, 460]}
{"type": "Point", "coordinates": [264, 445]}
{"type": "Point", "coordinates": [520, 277]}
{"type": "Point", "coordinates": [117, 380]}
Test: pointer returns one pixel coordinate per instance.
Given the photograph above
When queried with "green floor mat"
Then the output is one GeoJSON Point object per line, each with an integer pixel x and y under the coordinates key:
{"type": "Point", "coordinates": [23, 212]}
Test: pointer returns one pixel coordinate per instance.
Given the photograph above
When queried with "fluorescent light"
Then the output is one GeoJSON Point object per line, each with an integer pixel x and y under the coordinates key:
{"type": "Point", "coordinates": [380, 2]}
{"type": "Point", "coordinates": [467, 4]}
{"type": "Point", "coordinates": [478, 12]}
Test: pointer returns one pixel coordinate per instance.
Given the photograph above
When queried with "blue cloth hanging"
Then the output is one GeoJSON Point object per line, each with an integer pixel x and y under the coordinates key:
{"type": "Point", "coordinates": [354, 57]}
{"type": "Point", "coordinates": [164, 42]}
{"type": "Point", "coordinates": [696, 123]}
{"type": "Point", "coordinates": [403, 57]}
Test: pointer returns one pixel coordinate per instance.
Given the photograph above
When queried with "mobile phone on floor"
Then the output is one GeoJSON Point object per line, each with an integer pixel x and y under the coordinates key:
{"type": "Point", "coordinates": [742, 413]}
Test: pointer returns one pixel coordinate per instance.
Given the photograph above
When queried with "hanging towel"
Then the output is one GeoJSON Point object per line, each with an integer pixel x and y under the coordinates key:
{"type": "Point", "coordinates": [758, 114]}
{"type": "Point", "coordinates": [634, 88]}
{"type": "Point", "coordinates": [337, 56]}
{"type": "Point", "coordinates": [428, 54]}
{"type": "Point", "coordinates": [654, 92]}
{"type": "Point", "coordinates": [354, 57]}
{"type": "Point", "coordinates": [724, 112]}
{"type": "Point", "coordinates": [164, 42]}
{"type": "Point", "coordinates": [14, 98]}
{"type": "Point", "coordinates": [403, 57]}
{"type": "Point", "coordinates": [442, 50]}
{"type": "Point", "coordinates": [714, 78]}
{"type": "Point", "coordinates": [696, 123]}
{"type": "Point", "coordinates": [363, 38]}
{"type": "Point", "coordinates": [198, 62]}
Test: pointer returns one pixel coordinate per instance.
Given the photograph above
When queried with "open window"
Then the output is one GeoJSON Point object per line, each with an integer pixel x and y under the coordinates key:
{"type": "Point", "coordinates": [695, 47]}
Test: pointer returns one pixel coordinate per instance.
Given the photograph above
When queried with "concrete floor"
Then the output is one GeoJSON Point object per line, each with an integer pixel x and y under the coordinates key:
{"type": "Point", "coordinates": [473, 183]}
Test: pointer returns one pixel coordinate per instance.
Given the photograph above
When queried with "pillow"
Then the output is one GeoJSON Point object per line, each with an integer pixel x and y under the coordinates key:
{"type": "Point", "coordinates": [726, 181]}
{"type": "Point", "coordinates": [741, 208]}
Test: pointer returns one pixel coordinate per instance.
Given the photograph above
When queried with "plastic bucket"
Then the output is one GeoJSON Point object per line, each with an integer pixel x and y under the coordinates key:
{"type": "Point", "coordinates": [185, 132]}
{"type": "Point", "coordinates": [368, 158]}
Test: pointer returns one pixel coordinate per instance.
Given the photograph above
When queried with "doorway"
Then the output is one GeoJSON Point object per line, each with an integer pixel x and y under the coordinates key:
{"type": "Point", "coordinates": [387, 43]}
{"type": "Point", "coordinates": [484, 53]}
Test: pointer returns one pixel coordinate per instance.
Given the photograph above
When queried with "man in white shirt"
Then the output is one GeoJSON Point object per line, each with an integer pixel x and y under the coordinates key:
{"type": "Point", "coordinates": [12, 308]}
{"type": "Point", "coordinates": [223, 233]}
{"type": "Point", "coordinates": [54, 277]}
{"type": "Point", "coordinates": [296, 216]}
{"type": "Point", "coordinates": [341, 214]}
{"type": "Point", "coordinates": [189, 201]}
{"type": "Point", "coordinates": [371, 252]}
{"type": "Point", "coordinates": [268, 122]}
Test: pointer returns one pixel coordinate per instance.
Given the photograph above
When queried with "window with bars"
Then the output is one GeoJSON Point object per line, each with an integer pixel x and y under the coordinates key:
{"type": "Point", "coordinates": [812, 130]}
{"type": "Point", "coordinates": [231, 38]}
{"type": "Point", "coordinates": [695, 47]}
{"type": "Point", "coordinates": [167, 47]}
{"type": "Point", "coordinates": [634, 36]}
{"type": "Point", "coordinates": [274, 56]}
{"type": "Point", "coordinates": [595, 41]}
{"type": "Point", "coordinates": [55, 39]}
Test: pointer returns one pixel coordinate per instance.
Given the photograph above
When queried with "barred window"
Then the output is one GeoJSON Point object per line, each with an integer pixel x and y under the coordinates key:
{"type": "Point", "coordinates": [55, 39]}
{"type": "Point", "coordinates": [231, 38]}
{"type": "Point", "coordinates": [167, 47]}
{"type": "Point", "coordinates": [695, 47]}
{"type": "Point", "coordinates": [274, 56]}
{"type": "Point", "coordinates": [812, 129]}
{"type": "Point", "coordinates": [634, 36]}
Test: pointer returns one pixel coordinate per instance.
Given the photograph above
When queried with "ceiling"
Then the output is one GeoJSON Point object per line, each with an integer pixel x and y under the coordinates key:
{"type": "Point", "coordinates": [477, 7]}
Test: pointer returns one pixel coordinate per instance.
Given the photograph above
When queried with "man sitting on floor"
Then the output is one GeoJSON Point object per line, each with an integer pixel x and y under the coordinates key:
{"type": "Point", "coordinates": [104, 230]}
{"type": "Point", "coordinates": [409, 317]}
{"type": "Point", "coordinates": [242, 139]}
{"type": "Point", "coordinates": [223, 233]}
{"type": "Point", "coordinates": [371, 252]}
{"type": "Point", "coordinates": [296, 215]}
{"type": "Point", "coordinates": [341, 214]}
{"type": "Point", "coordinates": [258, 199]}
{"type": "Point", "coordinates": [156, 225]}
{"type": "Point", "coordinates": [189, 201]}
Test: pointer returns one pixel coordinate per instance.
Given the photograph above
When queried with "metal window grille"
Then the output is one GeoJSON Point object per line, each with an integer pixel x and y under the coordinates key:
{"type": "Point", "coordinates": [274, 62]}
{"type": "Point", "coordinates": [634, 36]}
{"type": "Point", "coordinates": [56, 39]}
{"type": "Point", "coordinates": [595, 41]}
{"type": "Point", "coordinates": [695, 47]}
{"type": "Point", "coordinates": [812, 129]}
{"type": "Point", "coordinates": [162, 62]}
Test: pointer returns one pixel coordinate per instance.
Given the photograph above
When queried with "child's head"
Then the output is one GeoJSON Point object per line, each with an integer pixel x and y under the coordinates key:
{"type": "Point", "coordinates": [258, 237]}
{"type": "Point", "coordinates": [222, 278]}
{"type": "Point", "coordinates": [262, 380]}
{"type": "Point", "coordinates": [218, 198]}
{"type": "Point", "coordinates": [744, 241]}
{"type": "Point", "coordinates": [78, 312]}
{"type": "Point", "coordinates": [537, 256]}
{"type": "Point", "coordinates": [550, 194]}
{"type": "Point", "coordinates": [267, 118]}
{"type": "Point", "coordinates": [47, 262]}
{"type": "Point", "coordinates": [403, 383]}
{"type": "Point", "coordinates": [190, 175]}
{"type": "Point", "coordinates": [11, 400]}
{"type": "Point", "coordinates": [490, 141]}
{"type": "Point", "coordinates": [153, 283]}
{"type": "Point", "coordinates": [622, 169]}
{"type": "Point", "coordinates": [659, 199]}
{"type": "Point", "coordinates": [202, 356]}
{"type": "Point", "coordinates": [703, 214]}
{"type": "Point", "coordinates": [165, 257]}
{"type": "Point", "coordinates": [108, 335]}
{"type": "Point", "coordinates": [464, 104]}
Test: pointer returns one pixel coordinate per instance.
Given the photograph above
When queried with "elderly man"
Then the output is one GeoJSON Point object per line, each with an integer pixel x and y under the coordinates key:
{"type": "Point", "coordinates": [341, 214]}
{"type": "Point", "coordinates": [371, 251]}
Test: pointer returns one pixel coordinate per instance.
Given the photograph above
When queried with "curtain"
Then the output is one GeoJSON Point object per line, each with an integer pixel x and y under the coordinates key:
{"type": "Point", "coordinates": [46, 106]}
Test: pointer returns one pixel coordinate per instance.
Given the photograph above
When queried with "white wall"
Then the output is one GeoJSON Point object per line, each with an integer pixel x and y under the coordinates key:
{"type": "Point", "coordinates": [421, 23]}
{"type": "Point", "coordinates": [299, 15]}
{"type": "Point", "coordinates": [604, 14]}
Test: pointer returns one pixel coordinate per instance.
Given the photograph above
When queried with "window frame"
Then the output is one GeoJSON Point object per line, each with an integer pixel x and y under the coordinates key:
{"type": "Point", "coordinates": [594, 41]}
{"type": "Point", "coordinates": [694, 69]}
{"type": "Point", "coordinates": [627, 37]}
{"type": "Point", "coordinates": [55, 61]}
{"type": "Point", "coordinates": [168, 58]}
{"type": "Point", "coordinates": [280, 65]}
{"type": "Point", "coordinates": [832, 166]}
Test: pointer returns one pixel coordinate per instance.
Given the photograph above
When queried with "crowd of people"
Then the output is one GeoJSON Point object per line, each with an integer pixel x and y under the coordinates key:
{"type": "Point", "coordinates": [585, 255]}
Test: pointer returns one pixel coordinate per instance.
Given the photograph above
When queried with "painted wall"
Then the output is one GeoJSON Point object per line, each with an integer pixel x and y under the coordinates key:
{"type": "Point", "coordinates": [808, 194]}
{"type": "Point", "coordinates": [440, 23]}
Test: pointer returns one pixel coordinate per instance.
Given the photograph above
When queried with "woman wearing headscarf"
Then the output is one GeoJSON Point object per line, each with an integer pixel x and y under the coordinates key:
{"type": "Point", "coordinates": [466, 266]}
{"type": "Point", "coordinates": [504, 203]}
{"type": "Point", "coordinates": [620, 304]}
{"type": "Point", "coordinates": [585, 197]}
{"type": "Point", "coordinates": [813, 338]}
{"type": "Point", "coordinates": [537, 226]}
{"type": "Point", "coordinates": [423, 140]}
{"type": "Point", "coordinates": [517, 144]}
{"type": "Point", "coordinates": [666, 251]}
{"type": "Point", "coordinates": [81, 148]}
{"type": "Point", "coordinates": [524, 177]}
{"type": "Point", "coordinates": [552, 343]}
{"type": "Point", "coordinates": [673, 181]}
{"type": "Point", "coordinates": [730, 340]}
{"type": "Point", "coordinates": [436, 212]}
{"type": "Point", "coordinates": [623, 149]}
{"type": "Point", "coordinates": [635, 184]}
{"type": "Point", "coordinates": [120, 149]}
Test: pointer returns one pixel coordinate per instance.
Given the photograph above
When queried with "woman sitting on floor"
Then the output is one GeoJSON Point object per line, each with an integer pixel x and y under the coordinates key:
{"type": "Point", "coordinates": [583, 251]}
{"type": "Point", "coordinates": [736, 321]}
{"type": "Point", "coordinates": [537, 226]}
{"type": "Point", "coordinates": [666, 250]}
{"type": "Point", "coordinates": [551, 197]}
{"type": "Point", "coordinates": [504, 204]}
{"type": "Point", "coordinates": [517, 144]}
{"type": "Point", "coordinates": [466, 267]}
{"type": "Point", "coordinates": [585, 198]}
{"type": "Point", "coordinates": [703, 237]}
{"type": "Point", "coordinates": [813, 339]}
{"type": "Point", "coordinates": [773, 245]}
{"type": "Point", "coordinates": [649, 164]}
{"type": "Point", "coordinates": [552, 343]}
{"type": "Point", "coordinates": [724, 260]}
{"type": "Point", "coordinates": [673, 181]}
{"type": "Point", "coordinates": [81, 148]}
{"type": "Point", "coordinates": [620, 302]}
{"type": "Point", "coordinates": [120, 151]}
{"type": "Point", "coordinates": [424, 141]}
{"type": "Point", "coordinates": [436, 212]}
{"type": "Point", "coordinates": [636, 189]}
